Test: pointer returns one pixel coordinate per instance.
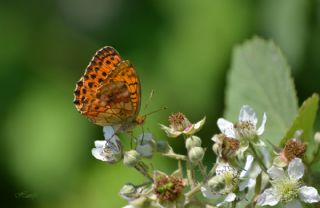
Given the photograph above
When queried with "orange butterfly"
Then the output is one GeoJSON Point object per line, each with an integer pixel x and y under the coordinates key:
{"type": "Point", "coordinates": [109, 92]}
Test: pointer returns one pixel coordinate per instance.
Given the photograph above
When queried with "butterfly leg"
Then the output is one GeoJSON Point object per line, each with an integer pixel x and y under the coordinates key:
{"type": "Point", "coordinates": [142, 129]}
{"type": "Point", "coordinates": [130, 133]}
{"type": "Point", "coordinates": [109, 139]}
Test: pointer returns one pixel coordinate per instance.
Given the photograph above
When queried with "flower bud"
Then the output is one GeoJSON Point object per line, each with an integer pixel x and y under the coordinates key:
{"type": "Point", "coordinates": [131, 158]}
{"type": "Point", "coordinates": [162, 146]}
{"type": "Point", "coordinates": [128, 191]}
{"type": "Point", "coordinates": [145, 145]}
{"type": "Point", "coordinates": [193, 141]}
{"type": "Point", "coordinates": [317, 137]}
{"type": "Point", "coordinates": [196, 154]}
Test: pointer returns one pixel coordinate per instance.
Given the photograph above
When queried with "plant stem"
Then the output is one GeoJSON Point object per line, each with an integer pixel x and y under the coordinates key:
{"type": "Point", "coordinates": [180, 167]}
{"type": "Point", "coordinates": [190, 175]}
{"type": "Point", "coordinates": [173, 155]}
{"type": "Point", "coordinates": [193, 191]}
{"type": "Point", "coordinates": [142, 168]}
{"type": "Point", "coordinates": [257, 157]}
{"type": "Point", "coordinates": [203, 169]}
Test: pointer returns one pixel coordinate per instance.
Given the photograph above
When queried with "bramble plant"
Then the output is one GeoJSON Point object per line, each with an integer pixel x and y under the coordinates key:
{"type": "Point", "coordinates": [262, 160]}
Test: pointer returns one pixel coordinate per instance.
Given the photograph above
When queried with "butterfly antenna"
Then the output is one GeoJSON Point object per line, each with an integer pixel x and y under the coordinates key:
{"type": "Point", "coordinates": [155, 111]}
{"type": "Point", "coordinates": [149, 100]}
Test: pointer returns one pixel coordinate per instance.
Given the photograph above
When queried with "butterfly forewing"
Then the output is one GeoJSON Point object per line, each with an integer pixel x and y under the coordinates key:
{"type": "Point", "coordinates": [103, 62]}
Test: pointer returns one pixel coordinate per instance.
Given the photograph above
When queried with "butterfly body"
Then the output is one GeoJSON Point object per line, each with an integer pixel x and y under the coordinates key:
{"type": "Point", "coordinates": [109, 92]}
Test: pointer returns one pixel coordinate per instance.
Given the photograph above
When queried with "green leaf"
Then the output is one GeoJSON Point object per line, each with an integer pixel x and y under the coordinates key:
{"type": "Point", "coordinates": [260, 77]}
{"type": "Point", "coordinates": [304, 120]}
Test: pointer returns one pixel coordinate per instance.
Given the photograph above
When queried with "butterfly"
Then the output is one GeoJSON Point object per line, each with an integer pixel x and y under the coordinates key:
{"type": "Point", "coordinates": [109, 92]}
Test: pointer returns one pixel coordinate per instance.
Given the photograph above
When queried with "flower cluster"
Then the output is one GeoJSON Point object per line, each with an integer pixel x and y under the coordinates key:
{"type": "Point", "coordinates": [247, 172]}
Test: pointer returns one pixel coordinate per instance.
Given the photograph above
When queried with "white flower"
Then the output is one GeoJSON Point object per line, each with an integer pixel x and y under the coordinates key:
{"type": "Point", "coordinates": [222, 184]}
{"type": "Point", "coordinates": [288, 188]}
{"type": "Point", "coordinates": [145, 145]}
{"type": "Point", "coordinates": [246, 127]}
{"type": "Point", "coordinates": [108, 150]}
{"type": "Point", "coordinates": [179, 124]}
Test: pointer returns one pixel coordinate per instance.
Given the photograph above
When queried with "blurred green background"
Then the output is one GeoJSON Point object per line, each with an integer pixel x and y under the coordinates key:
{"type": "Point", "coordinates": [181, 49]}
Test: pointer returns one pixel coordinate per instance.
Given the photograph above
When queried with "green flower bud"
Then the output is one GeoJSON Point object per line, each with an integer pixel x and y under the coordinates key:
{"type": "Point", "coordinates": [193, 141]}
{"type": "Point", "coordinates": [131, 158]}
{"type": "Point", "coordinates": [196, 154]}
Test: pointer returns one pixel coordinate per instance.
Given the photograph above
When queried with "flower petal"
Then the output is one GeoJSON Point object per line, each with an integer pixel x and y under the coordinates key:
{"type": "Point", "coordinates": [189, 130]}
{"type": "Point", "coordinates": [262, 126]}
{"type": "Point", "coordinates": [194, 128]}
{"type": "Point", "coordinates": [250, 182]}
{"type": "Point", "coordinates": [247, 114]}
{"type": "Point", "coordinates": [293, 204]}
{"type": "Point", "coordinates": [99, 143]}
{"type": "Point", "coordinates": [226, 127]}
{"type": "Point", "coordinates": [276, 173]}
{"type": "Point", "coordinates": [170, 131]}
{"type": "Point", "coordinates": [249, 161]}
{"type": "Point", "coordinates": [200, 123]}
{"type": "Point", "coordinates": [295, 169]}
{"type": "Point", "coordinates": [225, 167]}
{"type": "Point", "coordinates": [207, 193]}
{"type": "Point", "coordinates": [268, 197]}
{"type": "Point", "coordinates": [98, 154]}
{"type": "Point", "coordinates": [128, 206]}
{"type": "Point", "coordinates": [108, 132]}
{"type": "Point", "coordinates": [216, 139]}
{"type": "Point", "coordinates": [230, 197]}
{"type": "Point", "coordinates": [309, 194]}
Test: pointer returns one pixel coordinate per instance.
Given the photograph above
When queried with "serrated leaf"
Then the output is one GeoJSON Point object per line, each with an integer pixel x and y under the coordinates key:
{"type": "Point", "coordinates": [304, 120]}
{"type": "Point", "coordinates": [260, 77]}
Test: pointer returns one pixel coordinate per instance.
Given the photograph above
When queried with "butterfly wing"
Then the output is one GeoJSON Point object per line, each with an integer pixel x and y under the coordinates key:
{"type": "Point", "coordinates": [117, 98]}
{"type": "Point", "coordinates": [102, 64]}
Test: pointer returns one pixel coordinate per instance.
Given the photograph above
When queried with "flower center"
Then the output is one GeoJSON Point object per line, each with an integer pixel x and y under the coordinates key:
{"type": "Point", "coordinates": [168, 188]}
{"type": "Point", "coordinates": [225, 181]}
{"type": "Point", "coordinates": [294, 148]}
{"type": "Point", "coordinates": [288, 189]}
{"type": "Point", "coordinates": [245, 130]}
{"type": "Point", "coordinates": [179, 121]}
